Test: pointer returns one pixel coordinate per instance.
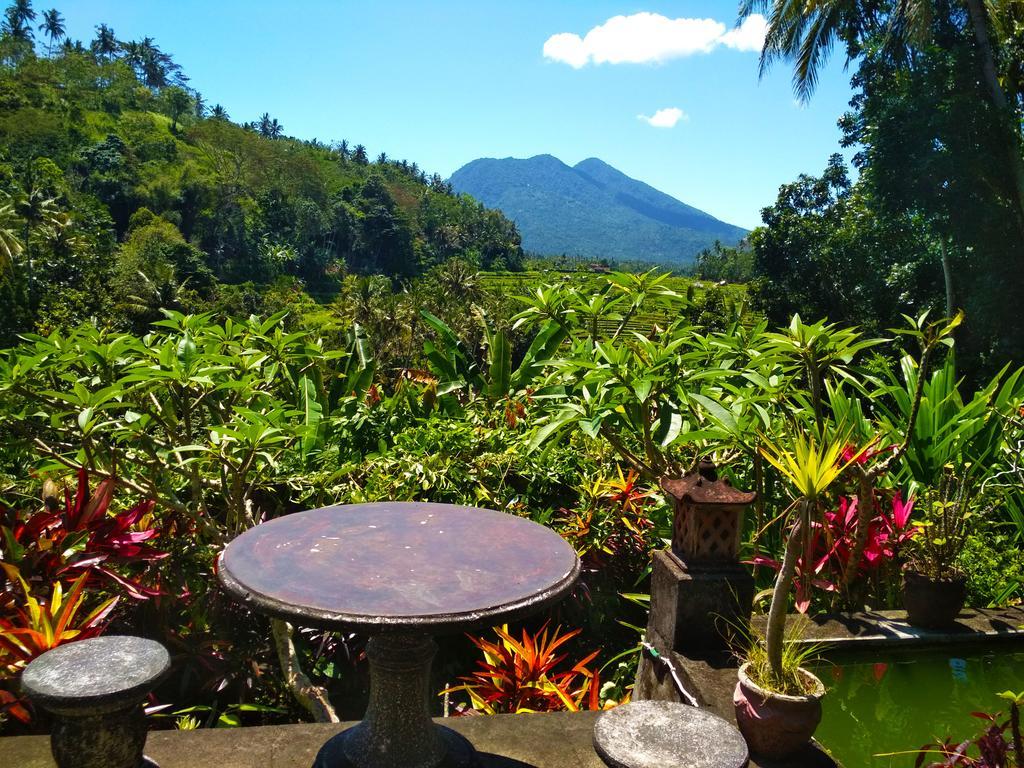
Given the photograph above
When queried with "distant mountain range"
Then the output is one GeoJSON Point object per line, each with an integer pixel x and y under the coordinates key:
{"type": "Point", "coordinates": [591, 210]}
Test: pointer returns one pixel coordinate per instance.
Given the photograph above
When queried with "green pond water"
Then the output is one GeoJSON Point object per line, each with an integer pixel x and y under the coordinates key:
{"type": "Point", "coordinates": [907, 701]}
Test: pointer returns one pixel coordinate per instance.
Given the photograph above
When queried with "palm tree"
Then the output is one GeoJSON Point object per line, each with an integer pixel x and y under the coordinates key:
{"type": "Point", "coordinates": [359, 155]}
{"type": "Point", "coordinates": [199, 105]}
{"type": "Point", "coordinates": [63, 237]}
{"type": "Point", "coordinates": [53, 26]}
{"type": "Point", "coordinates": [154, 292]}
{"type": "Point", "coordinates": [10, 245]}
{"type": "Point", "coordinates": [343, 149]}
{"type": "Point", "coordinates": [269, 128]}
{"type": "Point", "coordinates": [18, 20]}
{"type": "Point", "coordinates": [264, 124]}
{"type": "Point", "coordinates": [132, 51]}
{"type": "Point", "coordinates": [37, 211]}
{"type": "Point", "coordinates": [154, 67]}
{"type": "Point", "coordinates": [382, 159]}
{"type": "Point", "coordinates": [105, 43]}
{"type": "Point", "coordinates": [218, 113]}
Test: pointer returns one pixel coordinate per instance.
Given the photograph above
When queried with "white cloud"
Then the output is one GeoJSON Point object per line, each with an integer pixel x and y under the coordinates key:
{"type": "Point", "coordinates": [665, 118]}
{"type": "Point", "coordinates": [748, 36]}
{"type": "Point", "coordinates": [647, 38]}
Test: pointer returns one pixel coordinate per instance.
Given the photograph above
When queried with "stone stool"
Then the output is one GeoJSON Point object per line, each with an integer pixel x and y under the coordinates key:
{"type": "Point", "coordinates": [663, 734]}
{"type": "Point", "coordinates": [95, 689]}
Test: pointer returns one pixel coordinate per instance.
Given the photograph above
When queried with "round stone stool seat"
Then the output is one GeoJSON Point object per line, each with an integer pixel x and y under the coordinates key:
{"type": "Point", "coordinates": [95, 676]}
{"type": "Point", "coordinates": [95, 689]}
{"type": "Point", "coordinates": [663, 734]}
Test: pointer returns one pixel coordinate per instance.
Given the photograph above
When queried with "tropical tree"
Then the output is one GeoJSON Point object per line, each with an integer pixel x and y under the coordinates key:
{"type": "Point", "coordinates": [37, 211]}
{"type": "Point", "coordinates": [53, 27]}
{"type": "Point", "coordinates": [811, 468]}
{"type": "Point", "coordinates": [133, 53]}
{"type": "Point", "coordinates": [805, 32]}
{"type": "Point", "coordinates": [154, 67]}
{"type": "Point", "coordinates": [178, 103]}
{"type": "Point", "coordinates": [105, 43]}
{"type": "Point", "coordinates": [269, 128]}
{"type": "Point", "coordinates": [359, 155]}
{"type": "Point", "coordinates": [18, 20]}
{"type": "Point", "coordinates": [10, 245]}
{"type": "Point", "coordinates": [218, 112]}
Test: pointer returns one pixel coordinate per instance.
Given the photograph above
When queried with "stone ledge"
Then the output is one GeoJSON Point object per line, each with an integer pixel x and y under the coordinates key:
{"type": "Point", "coordinates": [552, 740]}
{"type": "Point", "coordinates": [889, 629]}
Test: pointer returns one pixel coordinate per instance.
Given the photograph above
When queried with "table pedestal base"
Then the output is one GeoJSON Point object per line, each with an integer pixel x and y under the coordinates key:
{"type": "Point", "coordinates": [397, 731]}
{"type": "Point", "coordinates": [343, 751]}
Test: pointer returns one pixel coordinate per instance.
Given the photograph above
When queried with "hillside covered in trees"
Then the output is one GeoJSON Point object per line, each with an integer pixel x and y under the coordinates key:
{"type": "Point", "coordinates": [123, 192]}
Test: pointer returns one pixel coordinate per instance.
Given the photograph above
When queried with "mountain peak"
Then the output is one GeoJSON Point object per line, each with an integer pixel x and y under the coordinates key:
{"type": "Point", "coordinates": [592, 162]}
{"type": "Point", "coordinates": [592, 210]}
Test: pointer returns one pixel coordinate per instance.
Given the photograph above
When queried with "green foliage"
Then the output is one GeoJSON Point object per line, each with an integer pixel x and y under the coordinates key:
{"type": "Point", "coordinates": [720, 262]}
{"type": "Point", "coordinates": [796, 656]}
{"type": "Point", "coordinates": [994, 568]}
{"type": "Point", "coordinates": [824, 252]}
{"type": "Point", "coordinates": [948, 513]}
{"type": "Point", "coordinates": [235, 203]}
{"type": "Point", "coordinates": [220, 423]}
{"type": "Point", "coordinates": [148, 253]}
{"type": "Point", "coordinates": [938, 207]}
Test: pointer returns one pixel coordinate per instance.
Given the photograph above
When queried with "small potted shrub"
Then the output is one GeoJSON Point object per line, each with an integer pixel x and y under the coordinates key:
{"type": "Point", "coordinates": [778, 714]}
{"type": "Point", "coordinates": [777, 700]}
{"type": "Point", "coordinates": [934, 588]}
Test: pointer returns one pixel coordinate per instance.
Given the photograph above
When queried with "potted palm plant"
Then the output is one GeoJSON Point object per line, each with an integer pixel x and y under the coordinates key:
{"type": "Point", "coordinates": [934, 588]}
{"type": "Point", "coordinates": [777, 700]}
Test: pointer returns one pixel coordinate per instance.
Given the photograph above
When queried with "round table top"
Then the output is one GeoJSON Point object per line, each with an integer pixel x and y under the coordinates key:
{"type": "Point", "coordinates": [653, 734]}
{"type": "Point", "coordinates": [398, 566]}
{"type": "Point", "coordinates": [96, 675]}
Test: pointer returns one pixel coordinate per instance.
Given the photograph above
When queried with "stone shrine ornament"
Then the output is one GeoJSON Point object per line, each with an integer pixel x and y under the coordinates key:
{"type": "Point", "coordinates": [708, 517]}
{"type": "Point", "coordinates": [699, 590]}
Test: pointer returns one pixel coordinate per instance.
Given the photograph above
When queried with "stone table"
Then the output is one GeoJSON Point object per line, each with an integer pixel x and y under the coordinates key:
{"type": "Point", "coordinates": [95, 689]}
{"type": "Point", "coordinates": [400, 572]}
{"type": "Point", "coordinates": [658, 734]}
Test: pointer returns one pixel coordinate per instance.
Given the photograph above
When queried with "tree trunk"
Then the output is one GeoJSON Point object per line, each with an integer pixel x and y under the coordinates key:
{"type": "Point", "coordinates": [979, 25]}
{"type": "Point", "coordinates": [947, 275]}
{"type": "Point", "coordinates": [312, 697]}
{"type": "Point", "coordinates": [776, 630]}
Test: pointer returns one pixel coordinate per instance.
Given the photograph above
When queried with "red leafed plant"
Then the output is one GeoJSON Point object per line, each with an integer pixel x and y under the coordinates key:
{"type": "Point", "coordinates": [828, 550]}
{"type": "Point", "coordinates": [993, 748]}
{"type": "Point", "coordinates": [81, 538]}
{"type": "Point", "coordinates": [523, 675]}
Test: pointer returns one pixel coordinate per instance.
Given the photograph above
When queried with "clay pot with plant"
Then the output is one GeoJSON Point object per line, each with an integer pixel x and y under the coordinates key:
{"type": "Point", "coordinates": [777, 700]}
{"type": "Point", "coordinates": [934, 588]}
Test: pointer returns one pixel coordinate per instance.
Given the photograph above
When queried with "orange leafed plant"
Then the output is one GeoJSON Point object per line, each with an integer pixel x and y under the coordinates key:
{"type": "Point", "coordinates": [30, 630]}
{"type": "Point", "coordinates": [522, 675]}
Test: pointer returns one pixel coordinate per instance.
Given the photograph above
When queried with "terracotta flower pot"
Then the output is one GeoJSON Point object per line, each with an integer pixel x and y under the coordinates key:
{"type": "Point", "coordinates": [932, 603]}
{"type": "Point", "coordinates": [775, 725]}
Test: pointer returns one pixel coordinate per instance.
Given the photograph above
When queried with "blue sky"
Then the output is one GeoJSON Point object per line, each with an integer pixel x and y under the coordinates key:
{"type": "Point", "coordinates": [446, 82]}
